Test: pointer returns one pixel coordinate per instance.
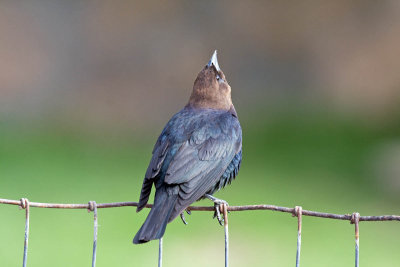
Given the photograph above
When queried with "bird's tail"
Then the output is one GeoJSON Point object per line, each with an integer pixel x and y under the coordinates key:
{"type": "Point", "coordinates": [156, 221]}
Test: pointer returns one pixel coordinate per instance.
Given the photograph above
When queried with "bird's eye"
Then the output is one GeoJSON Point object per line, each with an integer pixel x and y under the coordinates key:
{"type": "Point", "coordinates": [218, 78]}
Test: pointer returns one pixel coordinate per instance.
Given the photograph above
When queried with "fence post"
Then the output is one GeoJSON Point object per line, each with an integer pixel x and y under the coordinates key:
{"type": "Point", "coordinates": [355, 218]}
{"type": "Point", "coordinates": [225, 210]}
{"type": "Point", "coordinates": [25, 205]}
{"type": "Point", "coordinates": [92, 206]}
{"type": "Point", "coordinates": [160, 249]}
{"type": "Point", "coordinates": [298, 212]}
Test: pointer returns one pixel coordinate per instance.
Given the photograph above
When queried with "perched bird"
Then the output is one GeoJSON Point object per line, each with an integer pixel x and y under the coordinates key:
{"type": "Point", "coordinates": [198, 153]}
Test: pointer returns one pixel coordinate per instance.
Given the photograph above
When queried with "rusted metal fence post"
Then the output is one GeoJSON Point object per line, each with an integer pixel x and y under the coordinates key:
{"type": "Point", "coordinates": [297, 212]}
{"type": "Point", "coordinates": [225, 211]}
{"type": "Point", "coordinates": [355, 219]}
{"type": "Point", "coordinates": [92, 206]}
{"type": "Point", "coordinates": [25, 205]}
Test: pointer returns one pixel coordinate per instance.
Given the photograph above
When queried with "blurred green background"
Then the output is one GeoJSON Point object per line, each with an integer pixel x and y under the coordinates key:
{"type": "Point", "coordinates": [86, 87]}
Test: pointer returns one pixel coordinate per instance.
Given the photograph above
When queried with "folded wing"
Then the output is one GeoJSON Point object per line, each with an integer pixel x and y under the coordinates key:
{"type": "Point", "coordinates": [201, 161]}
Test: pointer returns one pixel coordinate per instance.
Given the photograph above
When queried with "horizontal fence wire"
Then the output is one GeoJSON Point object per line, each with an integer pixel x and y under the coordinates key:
{"type": "Point", "coordinates": [347, 217]}
{"type": "Point", "coordinates": [297, 211]}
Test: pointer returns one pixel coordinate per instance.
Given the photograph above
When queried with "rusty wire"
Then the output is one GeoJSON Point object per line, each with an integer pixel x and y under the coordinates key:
{"type": "Point", "coordinates": [354, 218]}
{"type": "Point", "coordinates": [210, 208]}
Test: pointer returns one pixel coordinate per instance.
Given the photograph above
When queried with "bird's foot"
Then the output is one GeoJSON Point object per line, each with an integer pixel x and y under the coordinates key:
{"type": "Point", "coordinates": [183, 216]}
{"type": "Point", "coordinates": [217, 204]}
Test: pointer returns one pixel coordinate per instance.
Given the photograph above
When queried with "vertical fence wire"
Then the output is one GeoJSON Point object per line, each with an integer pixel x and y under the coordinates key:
{"type": "Point", "coordinates": [298, 212]}
{"type": "Point", "coordinates": [25, 205]}
{"type": "Point", "coordinates": [355, 219]}
{"type": "Point", "coordinates": [225, 210]}
{"type": "Point", "coordinates": [160, 250]}
{"type": "Point", "coordinates": [92, 206]}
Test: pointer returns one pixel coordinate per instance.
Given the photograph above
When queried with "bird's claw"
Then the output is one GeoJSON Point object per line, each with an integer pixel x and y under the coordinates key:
{"type": "Point", "coordinates": [217, 214]}
{"type": "Point", "coordinates": [217, 206]}
{"type": "Point", "coordinates": [183, 216]}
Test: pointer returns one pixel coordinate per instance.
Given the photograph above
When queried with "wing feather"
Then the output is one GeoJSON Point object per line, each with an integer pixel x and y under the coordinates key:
{"type": "Point", "coordinates": [159, 153]}
{"type": "Point", "coordinates": [201, 161]}
{"type": "Point", "coordinates": [192, 154]}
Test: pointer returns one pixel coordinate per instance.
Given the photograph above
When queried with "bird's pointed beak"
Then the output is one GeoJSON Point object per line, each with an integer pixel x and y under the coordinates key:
{"type": "Point", "coordinates": [214, 61]}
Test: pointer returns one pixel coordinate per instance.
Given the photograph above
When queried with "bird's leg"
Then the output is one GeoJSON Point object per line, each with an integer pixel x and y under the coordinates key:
{"type": "Point", "coordinates": [183, 216]}
{"type": "Point", "coordinates": [217, 203]}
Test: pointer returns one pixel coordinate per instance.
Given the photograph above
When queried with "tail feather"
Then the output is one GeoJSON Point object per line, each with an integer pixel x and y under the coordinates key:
{"type": "Point", "coordinates": [156, 221]}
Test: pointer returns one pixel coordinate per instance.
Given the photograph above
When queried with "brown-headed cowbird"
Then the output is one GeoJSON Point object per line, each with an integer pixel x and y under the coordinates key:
{"type": "Point", "coordinates": [198, 152]}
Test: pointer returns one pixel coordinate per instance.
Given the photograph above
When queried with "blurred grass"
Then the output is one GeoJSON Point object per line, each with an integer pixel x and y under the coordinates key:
{"type": "Point", "coordinates": [320, 162]}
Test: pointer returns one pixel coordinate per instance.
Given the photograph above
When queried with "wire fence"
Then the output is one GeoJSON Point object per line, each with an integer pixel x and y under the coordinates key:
{"type": "Point", "coordinates": [297, 211]}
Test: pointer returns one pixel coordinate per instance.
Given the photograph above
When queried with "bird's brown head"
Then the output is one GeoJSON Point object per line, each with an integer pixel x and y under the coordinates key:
{"type": "Point", "coordinates": [211, 89]}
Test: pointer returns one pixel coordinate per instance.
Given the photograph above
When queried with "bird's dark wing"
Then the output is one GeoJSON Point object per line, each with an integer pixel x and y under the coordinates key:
{"type": "Point", "coordinates": [202, 159]}
{"type": "Point", "coordinates": [159, 153]}
{"type": "Point", "coordinates": [230, 172]}
{"type": "Point", "coordinates": [163, 151]}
